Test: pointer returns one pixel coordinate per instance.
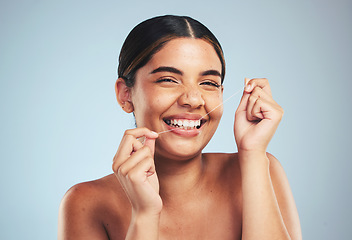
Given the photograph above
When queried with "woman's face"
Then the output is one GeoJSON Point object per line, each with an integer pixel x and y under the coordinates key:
{"type": "Point", "coordinates": [174, 90]}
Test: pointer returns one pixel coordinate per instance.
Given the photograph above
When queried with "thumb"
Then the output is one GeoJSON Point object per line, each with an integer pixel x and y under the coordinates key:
{"type": "Point", "coordinates": [150, 142]}
{"type": "Point", "coordinates": [244, 100]}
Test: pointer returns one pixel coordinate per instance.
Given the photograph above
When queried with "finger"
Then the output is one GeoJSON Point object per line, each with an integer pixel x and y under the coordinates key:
{"type": "Point", "coordinates": [251, 102]}
{"type": "Point", "coordinates": [261, 93]}
{"type": "Point", "coordinates": [141, 132]}
{"type": "Point", "coordinates": [258, 82]}
{"type": "Point", "coordinates": [130, 144]}
{"type": "Point", "coordinates": [264, 98]}
{"type": "Point", "coordinates": [150, 142]}
{"type": "Point", "coordinates": [243, 102]}
{"type": "Point", "coordinates": [147, 138]}
{"type": "Point", "coordinates": [141, 170]}
{"type": "Point", "coordinates": [133, 160]}
{"type": "Point", "coordinates": [264, 109]}
{"type": "Point", "coordinates": [257, 93]}
{"type": "Point", "coordinates": [257, 111]}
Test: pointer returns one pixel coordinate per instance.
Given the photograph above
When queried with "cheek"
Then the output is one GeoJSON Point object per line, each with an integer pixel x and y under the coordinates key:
{"type": "Point", "coordinates": [153, 105]}
{"type": "Point", "coordinates": [214, 106]}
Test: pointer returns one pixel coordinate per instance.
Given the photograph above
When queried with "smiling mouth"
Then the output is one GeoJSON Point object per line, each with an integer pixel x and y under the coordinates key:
{"type": "Point", "coordinates": [185, 123]}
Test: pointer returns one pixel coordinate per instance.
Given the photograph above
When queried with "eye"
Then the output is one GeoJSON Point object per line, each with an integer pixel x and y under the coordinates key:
{"type": "Point", "coordinates": [211, 83]}
{"type": "Point", "coordinates": [166, 80]}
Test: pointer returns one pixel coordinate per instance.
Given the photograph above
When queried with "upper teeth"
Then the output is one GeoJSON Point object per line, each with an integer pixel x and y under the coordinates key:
{"type": "Point", "coordinates": [185, 123]}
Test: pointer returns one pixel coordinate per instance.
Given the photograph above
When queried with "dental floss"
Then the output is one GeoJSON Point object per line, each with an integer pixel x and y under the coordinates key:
{"type": "Point", "coordinates": [222, 103]}
{"type": "Point", "coordinates": [234, 94]}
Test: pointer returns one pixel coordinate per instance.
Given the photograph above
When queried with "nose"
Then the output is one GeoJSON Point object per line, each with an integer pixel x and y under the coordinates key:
{"type": "Point", "coordinates": [191, 97]}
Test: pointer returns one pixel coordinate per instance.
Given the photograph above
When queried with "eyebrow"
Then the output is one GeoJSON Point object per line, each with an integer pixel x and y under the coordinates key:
{"type": "Point", "coordinates": [177, 71]}
{"type": "Point", "coordinates": [167, 69]}
{"type": "Point", "coordinates": [211, 72]}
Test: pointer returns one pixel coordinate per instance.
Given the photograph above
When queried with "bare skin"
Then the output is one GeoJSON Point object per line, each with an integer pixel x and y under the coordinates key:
{"type": "Point", "coordinates": [210, 212]}
{"type": "Point", "coordinates": [163, 186]}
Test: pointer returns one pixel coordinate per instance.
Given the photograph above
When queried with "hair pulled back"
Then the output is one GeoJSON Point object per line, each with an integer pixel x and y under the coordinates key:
{"type": "Point", "coordinates": [148, 37]}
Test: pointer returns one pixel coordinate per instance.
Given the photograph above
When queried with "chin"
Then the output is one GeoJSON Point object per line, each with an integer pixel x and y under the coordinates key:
{"type": "Point", "coordinates": [183, 150]}
{"type": "Point", "coordinates": [177, 156]}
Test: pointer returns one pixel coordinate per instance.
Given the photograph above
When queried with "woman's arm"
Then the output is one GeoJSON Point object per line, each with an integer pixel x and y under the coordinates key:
{"type": "Point", "coordinates": [134, 168]}
{"type": "Point", "coordinates": [269, 210]}
{"type": "Point", "coordinates": [285, 198]}
{"type": "Point", "coordinates": [257, 118]}
{"type": "Point", "coordinates": [80, 215]}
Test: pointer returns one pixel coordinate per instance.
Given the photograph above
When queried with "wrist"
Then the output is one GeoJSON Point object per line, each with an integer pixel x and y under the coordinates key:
{"type": "Point", "coordinates": [145, 217]}
{"type": "Point", "coordinates": [143, 226]}
{"type": "Point", "coordinates": [249, 157]}
{"type": "Point", "coordinates": [145, 214]}
{"type": "Point", "coordinates": [251, 154]}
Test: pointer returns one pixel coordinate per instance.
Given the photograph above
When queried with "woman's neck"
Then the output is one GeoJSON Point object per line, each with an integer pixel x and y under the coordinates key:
{"type": "Point", "coordinates": [178, 178]}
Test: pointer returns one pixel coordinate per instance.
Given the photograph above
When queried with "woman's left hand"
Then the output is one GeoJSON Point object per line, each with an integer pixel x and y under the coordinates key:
{"type": "Point", "coordinates": [257, 116]}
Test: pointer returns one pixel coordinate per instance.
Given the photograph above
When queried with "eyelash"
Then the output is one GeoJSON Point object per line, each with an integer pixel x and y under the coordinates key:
{"type": "Point", "coordinates": [203, 83]}
{"type": "Point", "coordinates": [211, 84]}
{"type": "Point", "coordinates": [166, 80]}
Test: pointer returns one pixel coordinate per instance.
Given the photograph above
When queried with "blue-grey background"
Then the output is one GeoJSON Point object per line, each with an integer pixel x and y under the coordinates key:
{"type": "Point", "coordinates": [60, 123]}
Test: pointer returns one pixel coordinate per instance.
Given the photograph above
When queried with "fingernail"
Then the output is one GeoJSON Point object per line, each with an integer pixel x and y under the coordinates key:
{"type": "Point", "coordinates": [246, 80]}
{"type": "Point", "coordinates": [154, 133]}
{"type": "Point", "coordinates": [248, 87]}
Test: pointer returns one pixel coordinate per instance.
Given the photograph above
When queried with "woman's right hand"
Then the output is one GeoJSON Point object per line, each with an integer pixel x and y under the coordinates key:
{"type": "Point", "coordinates": [134, 168]}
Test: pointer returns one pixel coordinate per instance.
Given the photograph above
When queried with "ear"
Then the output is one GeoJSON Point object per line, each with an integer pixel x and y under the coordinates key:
{"type": "Point", "coordinates": [123, 95]}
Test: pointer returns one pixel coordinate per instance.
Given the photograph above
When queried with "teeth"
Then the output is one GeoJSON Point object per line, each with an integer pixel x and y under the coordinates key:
{"type": "Point", "coordinates": [185, 124]}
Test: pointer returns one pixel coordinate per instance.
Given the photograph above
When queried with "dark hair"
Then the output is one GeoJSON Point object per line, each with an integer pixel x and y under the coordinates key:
{"type": "Point", "coordinates": [150, 36]}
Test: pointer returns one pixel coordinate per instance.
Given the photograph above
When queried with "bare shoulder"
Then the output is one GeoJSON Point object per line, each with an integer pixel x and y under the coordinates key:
{"type": "Point", "coordinates": [86, 207]}
{"type": "Point", "coordinates": [88, 195]}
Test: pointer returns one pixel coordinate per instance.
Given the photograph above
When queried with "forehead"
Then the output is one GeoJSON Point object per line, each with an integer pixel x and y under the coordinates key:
{"type": "Point", "coordinates": [186, 53]}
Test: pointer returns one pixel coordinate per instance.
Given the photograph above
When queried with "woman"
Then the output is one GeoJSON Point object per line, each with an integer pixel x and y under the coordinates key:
{"type": "Point", "coordinates": [171, 71]}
